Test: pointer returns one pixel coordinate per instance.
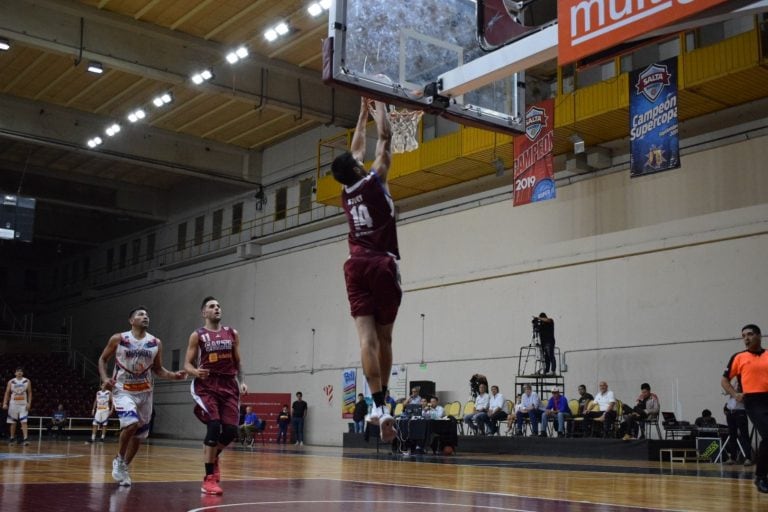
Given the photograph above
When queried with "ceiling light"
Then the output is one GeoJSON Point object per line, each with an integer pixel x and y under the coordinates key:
{"type": "Point", "coordinates": [95, 67]}
{"type": "Point", "coordinates": [202, 76]}
{"type": "Point", "coordinates": [325, 4]}
{"type": "Point", "coordinates": [4, 44]}
{"type": "Point", "coordinates": [136, 115]}
{"type": "Point", "coordinates": [113, 130]}
{"type": "Point", "coordinates": [163, 99]}
{"type": "Point", "coordinates": [236, 55]}
{"type": "Point", "coordinates": [281, 28]}
{"type": "Point", "coordinates": [270, 35]}
{"type": "Point", "coordinates": [92, 143]}
{"type": "Point", "coordinates": [315, 9]}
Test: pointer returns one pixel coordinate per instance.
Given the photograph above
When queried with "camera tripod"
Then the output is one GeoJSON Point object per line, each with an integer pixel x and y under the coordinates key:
{"type": "Point", "coordinates": [533, 353]}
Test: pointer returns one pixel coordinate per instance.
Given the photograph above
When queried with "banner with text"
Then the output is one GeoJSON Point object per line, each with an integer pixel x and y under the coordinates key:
{"type": "Point", "coordinates": [587, 27]}
{"type": "Point", "coordinates": [653, 135]}
{"type": "Point", "coordinates": [533, 170]}
{"type": "Point", "coordinates": [349, 385]}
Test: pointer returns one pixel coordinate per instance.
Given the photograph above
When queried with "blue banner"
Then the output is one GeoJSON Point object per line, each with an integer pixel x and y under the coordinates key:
{"type": "Point", "coordinates": [349, 387]}
{"type": "Point", "coordinates": [653, 134]}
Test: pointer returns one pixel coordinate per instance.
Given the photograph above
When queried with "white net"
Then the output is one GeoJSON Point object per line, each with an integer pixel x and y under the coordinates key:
{"type": "Point", "coordinates": [405, 129]}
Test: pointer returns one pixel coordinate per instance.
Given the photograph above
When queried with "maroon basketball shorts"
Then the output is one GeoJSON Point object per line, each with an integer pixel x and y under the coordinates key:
{"type": "Point", "coordinates": [219, 397]}
{"type": "Point", "coordinates": [373, 287]}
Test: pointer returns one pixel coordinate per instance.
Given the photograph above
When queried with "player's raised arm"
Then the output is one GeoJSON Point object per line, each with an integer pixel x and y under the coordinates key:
{"type": "Point", "coordinates": [384, 143]}
{"type": "Point", "coordinates": [357, 147]}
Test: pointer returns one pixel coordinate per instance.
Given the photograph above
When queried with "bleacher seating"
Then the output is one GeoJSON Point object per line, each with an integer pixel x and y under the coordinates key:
{"type": "Point", "coordinates": [54, 382]}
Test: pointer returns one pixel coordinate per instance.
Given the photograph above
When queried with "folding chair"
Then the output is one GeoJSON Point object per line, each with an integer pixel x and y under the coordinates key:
{"type": "Point", "coordinates": [260, 432]}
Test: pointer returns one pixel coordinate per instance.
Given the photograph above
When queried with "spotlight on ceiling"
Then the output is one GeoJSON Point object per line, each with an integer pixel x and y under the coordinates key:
{"type": "Point", "coordinates": [112, 130]}
{"type": "Point", "coordinates": [163, 99]}
{"type": "Point", "coordinates": [237, 55]}
{"type": "Point", "coordinates": [281, 28]}
{"type": "Point", "coordinates": [202, 76]}
{"type": "Point", "coordinates": [137, 115]}
{"type": "Point", "coordinates": [95, 67]}
{"type": "Point", "coordinates": [96, 141]}
{"type": "Point", "coordinates": [315, 9]}
{"type": "Point", "coordinates": [5, 44]}
{"type": "Point", "coordinates": [270, 35]}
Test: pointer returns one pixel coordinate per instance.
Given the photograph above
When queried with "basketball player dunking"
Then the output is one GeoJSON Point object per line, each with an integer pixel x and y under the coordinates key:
{"type": "Point", "coordinates": [371, 272]}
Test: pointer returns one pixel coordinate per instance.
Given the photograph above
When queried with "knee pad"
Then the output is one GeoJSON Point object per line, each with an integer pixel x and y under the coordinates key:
{"type": "Point", "coordinates": [213, 433]}
{"type": "Point", "coordinates": [229, 432]}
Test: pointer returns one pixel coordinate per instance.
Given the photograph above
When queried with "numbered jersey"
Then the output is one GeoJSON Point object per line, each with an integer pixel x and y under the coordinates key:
{"type": "Point", "coordinates": [216, 350]}
{"type": "Point", "coordinates": [371, 216]}
{"type": "Point", "coordinates": [102, 400]}
{"type": "Point", "coordinates": [133, 362]}
{"type": "Point", "coordinates": [19, 391]}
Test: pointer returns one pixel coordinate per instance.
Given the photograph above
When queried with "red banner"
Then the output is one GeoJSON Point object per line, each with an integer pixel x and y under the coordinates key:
{"type": "Point", "coordinates": [533, 171]}
{"type": "Point", "coordinates": [586, 27]}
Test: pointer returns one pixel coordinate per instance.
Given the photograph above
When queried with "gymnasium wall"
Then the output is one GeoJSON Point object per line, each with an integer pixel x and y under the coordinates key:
{"type": "Point", "coordinates": [669, 264]}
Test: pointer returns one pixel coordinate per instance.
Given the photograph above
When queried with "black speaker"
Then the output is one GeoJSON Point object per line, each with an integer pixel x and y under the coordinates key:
{"type": "Point", "coordinates": [17, 217]}
{"type": "Point", "coordinates": [25, 219]}
{"type": "Point", "coordinates": [427, 387]}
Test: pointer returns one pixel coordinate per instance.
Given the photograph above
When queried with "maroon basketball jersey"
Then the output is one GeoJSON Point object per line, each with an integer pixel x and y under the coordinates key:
{"type": "Point", "coordinates": [216, 351]}
{"type": "Point", "coordinates": [371, 216]}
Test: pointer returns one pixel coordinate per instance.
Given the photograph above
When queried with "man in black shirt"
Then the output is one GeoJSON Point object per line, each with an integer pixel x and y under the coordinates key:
{"type": "Point", "coordinates": [547, 339]}
{"type": "Point", "coordinates": [299, 414]}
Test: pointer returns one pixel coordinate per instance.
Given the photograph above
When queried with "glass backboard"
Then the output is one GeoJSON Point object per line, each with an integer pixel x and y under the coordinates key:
{"type": "Point", "coordinates": [396, 50]}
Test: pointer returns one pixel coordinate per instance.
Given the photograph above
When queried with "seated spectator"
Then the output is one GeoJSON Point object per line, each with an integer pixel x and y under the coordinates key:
{"type": "Point", "coordinates": [414, 398]}
{"type": "Point", "coordinates": [557, 407]}
{"type": "Point", "coordinates": [705, 420]}
{"type": "Point", "coordinates": [584, 399]}
{"type": "Point", "coordinates": [607, 409]}
{"type": "Point", "coordinates": [58, 421]}
{"type": "Point", "coordinates": [477, 420]}
{"type": "Point", "coordinates": [250, 424]}
{"type": "Point", "coordinates": [434, 411]}
{"type": "Point", "coordinates": [496, 410]}
{"type": "Point", "coordinates": [424, 406]}
{"type": "Point", "coordinates": [361, 409]}
{"type": "Point", "coordinates": [646, 406]}
{"type": "Point", "coordinates": [530, 407]}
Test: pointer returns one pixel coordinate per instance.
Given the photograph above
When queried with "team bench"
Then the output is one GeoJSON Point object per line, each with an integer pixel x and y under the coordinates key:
{"type": "Point", "coordinates": [42, 423]}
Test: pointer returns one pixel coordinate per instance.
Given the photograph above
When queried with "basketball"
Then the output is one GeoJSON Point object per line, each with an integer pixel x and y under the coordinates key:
{"type": "Point", "coordinates": [447, 450]}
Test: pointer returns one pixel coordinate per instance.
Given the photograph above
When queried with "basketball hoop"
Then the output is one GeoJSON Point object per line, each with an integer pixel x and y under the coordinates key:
{"type": "Point", "coordinates": [405, 129]}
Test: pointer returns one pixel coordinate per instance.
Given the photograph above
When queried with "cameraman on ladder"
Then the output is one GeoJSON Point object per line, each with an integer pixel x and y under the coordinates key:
{"type": "Point", "coordinates": [545, 327]}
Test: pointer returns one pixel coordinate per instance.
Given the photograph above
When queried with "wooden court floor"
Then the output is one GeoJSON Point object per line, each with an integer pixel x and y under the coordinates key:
{"type": "Point", "coordinates": [73, 476]}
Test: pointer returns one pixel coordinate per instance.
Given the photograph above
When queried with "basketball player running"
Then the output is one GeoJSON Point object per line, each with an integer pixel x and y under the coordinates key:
{"type": "Point", "coordinates": [213, 358]}
{"type": "Point", "coordinates": [18, 401]}
{"type": "Point", "coordinates": [102, 410]}
{"type": "Point", "coordinates": [371, 272]}
{"type": "Point", "coordinates": [138, 356]}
